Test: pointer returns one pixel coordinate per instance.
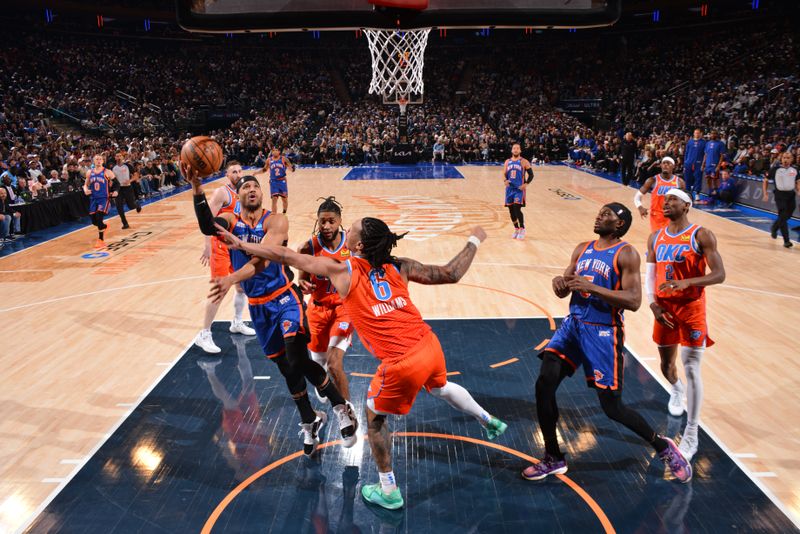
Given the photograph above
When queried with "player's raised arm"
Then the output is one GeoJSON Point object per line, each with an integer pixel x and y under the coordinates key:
{"type": "Point", "coordinates": [451, 273]}
{"type": "Point", "coordinates": [318, 265]}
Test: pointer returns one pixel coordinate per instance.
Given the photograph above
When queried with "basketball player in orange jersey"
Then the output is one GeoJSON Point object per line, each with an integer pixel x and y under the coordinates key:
{"type": "Point", "coordinates": [657, 186]}
{"type": "Point", "coordinates": [100, 184]}
{"type": "Point", "coordinates": [215, 254]}
{"type": "Point", "coordinates": [677, 256]}
{"type": "Point", "coordinates": [328, 322]}
{"type": "Point", "coordinates": [373, 286]}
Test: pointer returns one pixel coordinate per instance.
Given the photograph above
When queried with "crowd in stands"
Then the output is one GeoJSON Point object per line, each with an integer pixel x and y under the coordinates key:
{"type": "Point", "coordinates": [65, 98]}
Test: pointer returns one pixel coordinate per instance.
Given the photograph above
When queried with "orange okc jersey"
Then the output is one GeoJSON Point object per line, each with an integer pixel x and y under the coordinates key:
{"type": "Point", "coordinates": [324, 293]}
{"type": "Point", "coordinates": [230, 202]}
{"type": "Point", "coordinates": [678, 257]}
{"type": "Point", "coordinates": [380, 308]}
{"type": "Point", "coordinates": [657, 194]}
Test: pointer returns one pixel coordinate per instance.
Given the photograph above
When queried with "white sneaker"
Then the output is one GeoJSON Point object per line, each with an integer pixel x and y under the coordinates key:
{"type": "Point", "coordinates": [310, 433]}
{"type": "Point", "coordinates": [348, 423]}
{"type": "Point", "coordinates": [676, 405]}
{"type": "Point", "coordinates": [238, 327]}
{"type": "Point", "coordinates": [688, 445]}
{"type": "Point", "coordinates": [206, 342]}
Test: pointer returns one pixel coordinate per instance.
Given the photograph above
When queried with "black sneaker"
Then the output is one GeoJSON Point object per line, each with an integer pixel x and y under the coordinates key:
{"type": "Point", "coordinates": [773, 234]}
{"type": "Point", "coordinates": [138, 208]}
{"type": "Point", "coordinates": [788, 244]}
{"type": "Point", "coordinates": [125, 226]}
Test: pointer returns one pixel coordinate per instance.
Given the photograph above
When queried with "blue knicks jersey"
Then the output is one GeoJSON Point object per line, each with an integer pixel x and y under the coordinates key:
{"type": "Point", "coordinates": [713, 152]}
{"type": "Point", "coordinates": [98, 185]}
{"type": "Point", "coordinates": [273, 278]}
{"type": "Point", "coordinates": [514, 172]}
{"type": "Point", "coordinates": [600, 267]}
{"type": "Point", "coordinates": [695, 148]}
{"type": "Point", "coordinates": [277, 168]}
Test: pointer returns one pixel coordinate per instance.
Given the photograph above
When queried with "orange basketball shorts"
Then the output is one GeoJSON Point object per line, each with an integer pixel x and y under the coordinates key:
{"type": "Point", "coordinates": [326, 323]}
{"type": "Point", "coordinates": [396, 384]}
{"type": "Point", "coordinates": [689, 318]}
{"type": "Point", "coordinates": [220, 261]}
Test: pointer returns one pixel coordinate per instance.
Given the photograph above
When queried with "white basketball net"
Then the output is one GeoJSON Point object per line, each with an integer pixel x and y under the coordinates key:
{"type": "Point", "coordinates": [397, 63]}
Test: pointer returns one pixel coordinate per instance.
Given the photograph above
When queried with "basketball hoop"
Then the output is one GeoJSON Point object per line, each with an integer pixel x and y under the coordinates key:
{"type": "Point", "coordinates": [397, 64]}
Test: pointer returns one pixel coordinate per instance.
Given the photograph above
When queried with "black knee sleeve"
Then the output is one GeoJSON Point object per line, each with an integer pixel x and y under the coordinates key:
{"type": "Point", "coordinates": [297, 353]}
{"type": "Point", "coordinates": [293, 374]}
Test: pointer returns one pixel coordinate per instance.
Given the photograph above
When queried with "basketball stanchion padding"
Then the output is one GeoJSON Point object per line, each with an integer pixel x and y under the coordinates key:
{"type": "Point", "coordinates": [417, 5]}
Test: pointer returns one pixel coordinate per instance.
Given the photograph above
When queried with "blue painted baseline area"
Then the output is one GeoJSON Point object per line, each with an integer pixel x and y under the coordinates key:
{"type": "Point", "coordinates": [420, 171]}
{"type": "Point", "coordinates": [211, 423]}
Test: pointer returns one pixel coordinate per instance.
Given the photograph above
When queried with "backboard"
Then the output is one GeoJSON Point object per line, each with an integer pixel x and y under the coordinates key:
{"type": "Point", "coordinates": [298, 15]}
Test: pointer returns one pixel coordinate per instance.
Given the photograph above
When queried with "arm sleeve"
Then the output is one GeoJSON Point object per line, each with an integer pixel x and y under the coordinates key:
{"type": "Point", "coordinates": [650, 282]}
{"type": "Point", "coordinates": [529, 175]}
{"type": "Point", "coordinates": [637, 199]}
{"type": "Point", "coordinates": [204, 217]}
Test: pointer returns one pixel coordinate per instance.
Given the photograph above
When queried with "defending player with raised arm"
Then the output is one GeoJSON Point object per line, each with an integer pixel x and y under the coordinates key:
{"type": "Point", "coordinates": [373, 285]}
{"type": "Point", "coordinates": [677, 256]}
{"type": "Point", "coordinates": [603, 279]}
{"type": "Point", "coordinates": [276, 307]}
{"type": "Point", "coordinates": [657, 186]}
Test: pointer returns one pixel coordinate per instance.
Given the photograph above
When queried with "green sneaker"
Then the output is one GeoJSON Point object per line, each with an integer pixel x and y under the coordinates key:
{"type": "Point", "coordinates": [372, 493]}
{"type": "Point", "coordinates": [495, 428]}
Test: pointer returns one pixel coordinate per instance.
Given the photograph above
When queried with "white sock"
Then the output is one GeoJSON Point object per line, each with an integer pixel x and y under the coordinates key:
{"type": "Point", "coordinates": [690, 430]}
{"type": "Point", "coordinates": [320, 358]}
{"type": "Point", "coordinates": [678, 386]}
{"type": "Point", "coordinates": [694, 384]}
{"type": "Point", "coordinates": [239, 300]}
{"type": "Point", "coordinates": [388, 482]}
{"type": "Point", "coordinates": [460, 399]}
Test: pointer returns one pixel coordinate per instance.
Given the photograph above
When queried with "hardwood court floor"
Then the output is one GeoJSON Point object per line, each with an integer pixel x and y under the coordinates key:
{"type": "Point", "coordinates": [85, 338]}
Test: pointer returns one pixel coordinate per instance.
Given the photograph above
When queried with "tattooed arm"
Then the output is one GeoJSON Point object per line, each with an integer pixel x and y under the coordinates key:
{"type": "Point", "coordinates": [414, 271]}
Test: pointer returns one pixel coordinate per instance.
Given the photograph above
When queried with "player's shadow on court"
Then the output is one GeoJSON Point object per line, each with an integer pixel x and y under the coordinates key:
{"type": "Point", "coordinates": [137, 325]}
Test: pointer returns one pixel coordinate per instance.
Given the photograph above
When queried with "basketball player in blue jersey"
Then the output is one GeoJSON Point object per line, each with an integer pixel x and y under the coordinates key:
{"type": "Point", "coordinates": [517, 174]}
{"type": "Point", "coordinates": [277, 165]}
{"type": "Point", "coordinates": [693, 163]}
{"type": "Point", "coordinates": [276, 307]}
{"type": "Point", "coordinates": [100, 184]}
{"type": "Point", "coordinates": [603, 279]}
{"type": "Point", "coordinates": [713, 157]}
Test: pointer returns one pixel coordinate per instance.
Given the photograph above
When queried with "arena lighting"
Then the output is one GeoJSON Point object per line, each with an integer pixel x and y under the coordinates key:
{"type": "Point", "coordinates": [99, 21]}
{"type": "Point", "coordinates": [754, 4]}
{"type": "Point", "coordinates": [656, 15]}
{"type": "Point", "coordinates": [704, 10]}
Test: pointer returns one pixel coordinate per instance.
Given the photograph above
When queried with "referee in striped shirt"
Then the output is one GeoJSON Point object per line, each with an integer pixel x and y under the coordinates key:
{"type": "Point", "coordinates": [787, 185]}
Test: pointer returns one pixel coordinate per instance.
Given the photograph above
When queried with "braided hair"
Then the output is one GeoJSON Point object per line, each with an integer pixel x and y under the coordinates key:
{"type": "Point", "coordinates": [378, 241]}
{"type": "Point", "coordinates": [330, 205]}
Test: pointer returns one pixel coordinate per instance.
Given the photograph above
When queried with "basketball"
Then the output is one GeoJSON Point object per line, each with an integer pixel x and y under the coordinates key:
{"type": "Point", "coordinates": [203, 154]}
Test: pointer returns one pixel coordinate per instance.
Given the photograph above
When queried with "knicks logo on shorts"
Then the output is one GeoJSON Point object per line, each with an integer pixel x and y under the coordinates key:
{"type": "Point", "coordinates": [696, 334]}
{"type": "Point", "coordinates": [286, 326]}
{"type": "Point", "coordinates": [598, 376]}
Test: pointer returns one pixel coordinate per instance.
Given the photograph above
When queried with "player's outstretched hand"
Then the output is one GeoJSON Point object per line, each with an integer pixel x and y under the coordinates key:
{"type": "Point", "coordinates": [205, 256]}
{"type": "Point", "coordinates": [231, 240]}
{"type": "Point", "coordinates": [219, 287]}
{"type": "Point", "coordinates": [642, 211]}
{"type": "Point", "coordinates": [306, 286]}
{"type": "Point", "coordinates": [191, 175]}
{"type": "Point", "coordinates": [479, 232]}
{"type": "Point", "coordinates": [662, 316]}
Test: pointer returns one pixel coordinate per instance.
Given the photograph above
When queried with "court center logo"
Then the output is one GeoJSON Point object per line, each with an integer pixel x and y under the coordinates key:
{"type": "Point", "coordinates": [425, 217]}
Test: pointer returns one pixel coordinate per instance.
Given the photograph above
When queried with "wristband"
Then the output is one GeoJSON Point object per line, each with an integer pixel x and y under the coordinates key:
{"type": "Point", "coordinates": [474, 240]}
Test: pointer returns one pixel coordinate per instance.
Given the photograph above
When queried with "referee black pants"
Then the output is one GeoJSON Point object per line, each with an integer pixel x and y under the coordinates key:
{"type": "Point", "coordinates": [786, 204]}
{"type": "Point", "coordinates": [627, 172]}
{"type": "Point", "coordinates": [127, 197]}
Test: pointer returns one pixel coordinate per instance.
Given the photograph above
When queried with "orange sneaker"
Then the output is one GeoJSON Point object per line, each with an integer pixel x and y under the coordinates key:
{"type": "Point", "coordinates": [99, 244]}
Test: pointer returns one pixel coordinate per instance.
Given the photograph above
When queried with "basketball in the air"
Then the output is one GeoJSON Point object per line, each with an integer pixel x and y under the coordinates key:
{"type": "Point", "coordinates": [203, 154]}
